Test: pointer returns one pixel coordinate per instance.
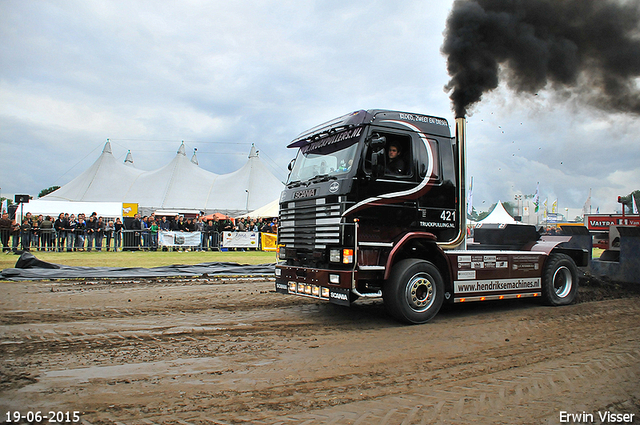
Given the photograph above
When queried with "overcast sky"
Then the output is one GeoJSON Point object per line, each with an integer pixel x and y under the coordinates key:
{"type": "Point", "coordinates": [223, 75]}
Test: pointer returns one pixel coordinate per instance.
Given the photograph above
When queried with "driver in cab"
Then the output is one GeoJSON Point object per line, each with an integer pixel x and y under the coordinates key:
{"type": "Point", "coordinates": [395, 164]}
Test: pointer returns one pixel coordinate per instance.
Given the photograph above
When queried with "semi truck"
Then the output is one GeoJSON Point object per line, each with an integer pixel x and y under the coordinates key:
{"type": "Point", "coordinates": [374, 207]}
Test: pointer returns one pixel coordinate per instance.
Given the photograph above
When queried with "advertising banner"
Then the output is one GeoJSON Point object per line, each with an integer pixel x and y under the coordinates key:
{"type": "Point", "coordinates": [129, 210]}
{"type": "Point", "coordinates": [170, 238]}
{"type": "Point", "coordinates": [269, 241]}
{"type": "Point", "coordinates": [240, 239]}
{"type": "Point", "coordinates": [603, 221]}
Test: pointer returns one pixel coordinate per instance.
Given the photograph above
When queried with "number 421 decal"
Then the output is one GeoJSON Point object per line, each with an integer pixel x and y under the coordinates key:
{"type": "Point", "coordinates": [448, 215]}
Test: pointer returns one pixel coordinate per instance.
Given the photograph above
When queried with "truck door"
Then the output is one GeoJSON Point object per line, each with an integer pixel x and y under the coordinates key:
{"type": "Point", "coordinates": [387, 202]}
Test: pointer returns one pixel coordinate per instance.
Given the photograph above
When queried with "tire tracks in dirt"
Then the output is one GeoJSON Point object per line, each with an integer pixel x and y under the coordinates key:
{"type": "Point", "coordinates": [185, 353]}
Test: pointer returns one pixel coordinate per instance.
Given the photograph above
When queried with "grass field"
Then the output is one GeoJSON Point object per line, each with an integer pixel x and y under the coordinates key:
{"type": "Point", "coordinates": [142, 258]}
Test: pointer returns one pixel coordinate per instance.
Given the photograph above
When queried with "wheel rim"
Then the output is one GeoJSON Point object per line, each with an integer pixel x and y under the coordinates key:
{"type": "Point", "coordinates": [562, 281]}
{"type": "Point", "coordinates": [420, 292]}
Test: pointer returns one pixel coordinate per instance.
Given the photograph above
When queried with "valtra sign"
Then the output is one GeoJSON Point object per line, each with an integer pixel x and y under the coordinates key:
{"type": "Point", "coordinates": [604, 221]}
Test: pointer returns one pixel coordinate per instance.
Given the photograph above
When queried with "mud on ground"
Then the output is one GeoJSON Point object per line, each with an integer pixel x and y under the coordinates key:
{"type": "Point", "coordinates": [232, 351]}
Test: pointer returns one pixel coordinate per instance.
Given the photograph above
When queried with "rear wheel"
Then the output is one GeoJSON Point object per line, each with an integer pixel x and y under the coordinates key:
{"type": "Point", "coordinates": [559, 280]}
{"type": "Point", "coordinates": [414, 292]}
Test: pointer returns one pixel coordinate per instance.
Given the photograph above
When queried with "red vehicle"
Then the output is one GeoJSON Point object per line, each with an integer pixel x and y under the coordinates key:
{"type": "Point", "coordinates": [351, 226]}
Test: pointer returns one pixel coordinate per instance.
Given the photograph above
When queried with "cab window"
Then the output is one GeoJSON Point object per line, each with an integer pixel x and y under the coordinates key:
{"type": "Point", "coordinates": [397, 155]}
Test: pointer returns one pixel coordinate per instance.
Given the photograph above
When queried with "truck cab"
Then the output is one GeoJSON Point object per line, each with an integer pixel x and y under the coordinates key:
{"type": "Point", "coordinates": [373, 205]}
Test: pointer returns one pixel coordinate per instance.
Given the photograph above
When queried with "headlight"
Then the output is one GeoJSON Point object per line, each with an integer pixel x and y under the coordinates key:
{"type": "Point", "coordinates": [334, 278]}
{"type": "Point", "coordinates": [334, 256]}
{"type": "Point", "coordinates": [278, 272]}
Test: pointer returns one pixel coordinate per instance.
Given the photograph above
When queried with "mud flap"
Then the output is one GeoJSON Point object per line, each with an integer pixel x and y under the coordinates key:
{"type": "Point", "coordinates": [339, 296]}
{"type": "Point", "coordinates": [282, 287]}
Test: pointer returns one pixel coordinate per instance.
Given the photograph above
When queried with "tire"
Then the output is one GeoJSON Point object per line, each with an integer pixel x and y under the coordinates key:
{"type": "Point", "coordinates": [414, 291]}
{"type": "Point", "coordinates": [559, 280]}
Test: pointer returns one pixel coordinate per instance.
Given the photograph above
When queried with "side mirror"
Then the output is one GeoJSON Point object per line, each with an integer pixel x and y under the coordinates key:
{"type": "Point", "coordinates": [377, 142]}
{"type": "Point", "coordinates": [378, 164]}
{"type": "Point", "coordinates": [378, 159]}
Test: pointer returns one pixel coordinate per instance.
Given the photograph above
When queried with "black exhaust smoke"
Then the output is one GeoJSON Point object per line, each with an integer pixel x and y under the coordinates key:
{"type": "Point", "coordinates": [590, 48]}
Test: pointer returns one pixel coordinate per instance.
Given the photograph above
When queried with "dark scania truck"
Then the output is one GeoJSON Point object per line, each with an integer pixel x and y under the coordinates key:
{"type": "Point", "coordinates": [355, 222]}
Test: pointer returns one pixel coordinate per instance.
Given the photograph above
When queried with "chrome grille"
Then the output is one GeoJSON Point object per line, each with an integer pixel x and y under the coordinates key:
{"type": "Point", "coordinates": [309, 224]}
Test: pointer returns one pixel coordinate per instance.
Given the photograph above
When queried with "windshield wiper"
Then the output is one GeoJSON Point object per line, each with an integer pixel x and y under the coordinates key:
{"type": "Point", "coordinates": [322, 178]}
{"type": "Point", "coordinates": [294, 183]}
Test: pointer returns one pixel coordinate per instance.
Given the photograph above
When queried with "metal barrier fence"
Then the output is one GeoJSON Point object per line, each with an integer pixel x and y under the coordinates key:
{"type": "Point", "coordinates": [126, 240]}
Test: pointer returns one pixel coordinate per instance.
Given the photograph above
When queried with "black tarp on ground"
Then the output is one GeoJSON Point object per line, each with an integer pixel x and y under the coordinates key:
{"type": "Point", "coordinates": [28, 267]}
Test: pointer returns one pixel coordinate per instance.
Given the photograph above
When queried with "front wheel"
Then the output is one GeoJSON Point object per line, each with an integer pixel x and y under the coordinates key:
{"type": "Point", "coordinates": [559, 280]}
{"type": "Point", "coordinates": [414, 292]}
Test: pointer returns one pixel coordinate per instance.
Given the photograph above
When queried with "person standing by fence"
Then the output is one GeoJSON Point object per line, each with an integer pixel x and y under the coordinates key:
{"type": "Point", "coordinates": [60, 227]}
{"type": "Point", "coordinates": [25, 233]}
{"type": "Point", "coordinates": [200, 226]}
{"type": "Point", "coordinates": [153, 229]}
{"type": "Point", "coordinates": [71, 232]}
{"type": "Point", "coordinates": [46, 234]}
{"type": "Point", "coordinates": [25, 237]}
{"type": "Point", "coordinates": [5, 231]}
{"type": "Point", "coordinates": [81, 226]}
{"type": "Point", "coordinates": [108, 234]}
{"type": "Point", "coordinates": [100, 225]}
{"type": "Point", "coordinates": [118, 227]}
{"type": "Point", "coordinates": [35, 231]}
{"type": "Point", "coordinates": [92, 226]}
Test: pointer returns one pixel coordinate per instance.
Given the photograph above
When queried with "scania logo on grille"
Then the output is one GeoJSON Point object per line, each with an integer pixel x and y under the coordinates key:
{"type": "Point", "coordinates": [304, 193]}
{"type": "Point", "coordinates": [333, 187]}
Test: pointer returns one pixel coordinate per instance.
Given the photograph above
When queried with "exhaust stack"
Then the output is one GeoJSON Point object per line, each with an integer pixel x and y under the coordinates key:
{"type": "Point", "coordinates": [460, 242]}
{"type": "Point", "coordinates": [461, 135]}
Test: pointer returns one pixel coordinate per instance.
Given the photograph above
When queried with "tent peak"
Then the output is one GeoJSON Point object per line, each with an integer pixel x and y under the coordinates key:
{"type": "Point", "coordinates": [181, 149]}
{"type": "Point", "coordinates": [129, 159]}
{"type": "Point", "coordinates": [107, 147]}
{"type": "Point", "coordinates": [194, 159]}
{"type": "Point", "coordinates": [254, 153]}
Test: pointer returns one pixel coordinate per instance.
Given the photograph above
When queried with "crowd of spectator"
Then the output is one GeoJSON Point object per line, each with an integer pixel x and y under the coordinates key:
{"type": "Point", "coordinates": [69, 232]}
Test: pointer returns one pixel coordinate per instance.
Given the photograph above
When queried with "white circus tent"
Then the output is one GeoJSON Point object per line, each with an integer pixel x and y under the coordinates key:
{"type": "Point", "coordinates": [269, 210]}
{"type": "Point", "coordinates": [498, 216]}
{"type": "Point", "coordinates": [105, 180]}
{"type": "Point", "coordinates": [180, 185]}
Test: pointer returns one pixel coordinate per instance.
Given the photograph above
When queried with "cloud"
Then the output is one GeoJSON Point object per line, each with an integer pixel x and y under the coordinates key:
{"type": "Point", "coordinates": [221, 76]}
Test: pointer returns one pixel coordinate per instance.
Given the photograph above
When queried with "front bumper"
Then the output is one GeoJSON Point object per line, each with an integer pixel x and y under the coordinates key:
{"type": "Point", "coordinates": [329, 285]}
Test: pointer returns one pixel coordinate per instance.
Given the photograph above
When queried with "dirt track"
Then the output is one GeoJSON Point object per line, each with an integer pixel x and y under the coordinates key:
{"type": "Point", "coordinates": [218, 352]}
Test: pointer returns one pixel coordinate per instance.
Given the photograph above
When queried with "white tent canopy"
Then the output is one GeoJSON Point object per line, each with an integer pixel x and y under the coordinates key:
{"type": "Point", "coordinates": [266, 211]}
{"type": "Point", "coordinates": [180, 185]}
{"type": "Point", "coordinates": [498, 216]}
{"type": "Point", "coordinates": [102, 181]}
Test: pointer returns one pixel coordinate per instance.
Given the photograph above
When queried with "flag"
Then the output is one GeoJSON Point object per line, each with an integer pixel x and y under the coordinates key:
{"type": "Point", "coordinates": [4, 208]}
{"type": "Point", "coordinates": [586, 208]}
{"type": "Point", "coordinates": [536, 197]}
{"type": "Point", "coordinates": [470, 199]}
{"type": "Point", "coordinates": [634, 207]}
{"type": "Point", "coordinates": [554, 206]}
{"type": "Point", "coordinates": [545, 207]}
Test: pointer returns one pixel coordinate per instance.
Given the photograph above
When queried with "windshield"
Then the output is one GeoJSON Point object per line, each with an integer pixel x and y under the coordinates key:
{"type": "Point", "coordinates": [324, 158]}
